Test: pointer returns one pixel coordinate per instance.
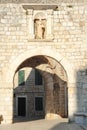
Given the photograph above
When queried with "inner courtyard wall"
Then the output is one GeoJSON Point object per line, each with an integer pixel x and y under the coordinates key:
{"type": "Point", "coordinates": [30, 90]}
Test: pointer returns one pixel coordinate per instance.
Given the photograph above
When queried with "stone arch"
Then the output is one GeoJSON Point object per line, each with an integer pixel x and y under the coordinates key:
{"type": "Point", "coordinates": [68, 67]}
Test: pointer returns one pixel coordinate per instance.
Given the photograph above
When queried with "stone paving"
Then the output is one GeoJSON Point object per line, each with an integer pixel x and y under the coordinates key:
{"type": "Point", "coordinates": [84, 127]}
{"type": "Point", "coordinates": [42, 125]}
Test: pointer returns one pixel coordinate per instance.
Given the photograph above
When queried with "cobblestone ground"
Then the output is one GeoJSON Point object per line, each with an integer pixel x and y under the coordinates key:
{"type": "Point", "coordinates": [42, 125]}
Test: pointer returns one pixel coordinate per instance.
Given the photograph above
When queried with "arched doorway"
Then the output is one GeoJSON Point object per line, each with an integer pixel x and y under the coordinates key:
{"type": "Point", "coordinates": [43, 91]}
{"type": "Point", "coordinates": [50, 61]}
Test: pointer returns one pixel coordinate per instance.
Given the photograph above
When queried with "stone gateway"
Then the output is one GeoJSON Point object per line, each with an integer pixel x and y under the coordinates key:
{"type": "Point", "coordinates": [43, 60]}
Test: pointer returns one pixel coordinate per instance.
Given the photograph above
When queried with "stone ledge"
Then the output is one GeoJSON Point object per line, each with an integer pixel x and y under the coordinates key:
{"type": "Point", "coordinates": [40, 40]}
{"type": "Point", "coordinates": [39, 6]}
{"type": "Point", "coordinates": [81, 118]}
{"type": "Point", "coordinates": [81, 114]}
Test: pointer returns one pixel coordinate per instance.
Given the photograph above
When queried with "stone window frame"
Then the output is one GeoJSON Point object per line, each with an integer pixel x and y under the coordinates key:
{"type": "Point", "coordinates": [49, 24]}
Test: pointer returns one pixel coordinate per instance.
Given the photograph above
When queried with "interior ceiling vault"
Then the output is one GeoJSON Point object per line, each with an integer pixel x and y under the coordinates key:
{"type": "Point", "coordinates": [48, 62]}
{"type": "Point", "coordinates": [35, 61]}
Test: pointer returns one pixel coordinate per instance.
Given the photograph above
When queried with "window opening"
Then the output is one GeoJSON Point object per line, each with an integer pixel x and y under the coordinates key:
{"type": "Point", "coordinates": [38, 78]}
{"type": "Point", "coordinates": [38, 103]}
{"type": "Point", "coordinates": [21, 77]}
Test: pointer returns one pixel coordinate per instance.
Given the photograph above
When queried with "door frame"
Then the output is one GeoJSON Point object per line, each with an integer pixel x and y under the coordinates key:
{"type": "Point", "coordinates": [24, 96]}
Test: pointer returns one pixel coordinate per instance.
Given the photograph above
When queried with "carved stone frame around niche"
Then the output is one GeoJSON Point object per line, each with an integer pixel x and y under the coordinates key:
{"type": "Point", "coordinates": [45, 17]}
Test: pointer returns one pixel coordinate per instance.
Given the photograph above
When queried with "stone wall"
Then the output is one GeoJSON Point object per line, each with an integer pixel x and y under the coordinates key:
{"type": "Point", "coordinates": [66, 34]}
{"type": "Point", "coordinates": [68, 29]}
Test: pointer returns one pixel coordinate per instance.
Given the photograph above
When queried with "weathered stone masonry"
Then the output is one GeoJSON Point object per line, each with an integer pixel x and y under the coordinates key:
{"type": "Point", "coordinates": [64, 45]}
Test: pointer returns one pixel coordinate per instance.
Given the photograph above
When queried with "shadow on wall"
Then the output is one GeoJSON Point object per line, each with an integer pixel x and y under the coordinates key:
{"type": "Point", "coordinates": [54, 97]}
{"type": "Point", "coordinates": [1, 118]}
{"type": "Point", "coordinates": [25, 94]}
{"type": "Point", "coordinates": [78, 98]}
{"type": "Point", "coordinates": [81, 92]}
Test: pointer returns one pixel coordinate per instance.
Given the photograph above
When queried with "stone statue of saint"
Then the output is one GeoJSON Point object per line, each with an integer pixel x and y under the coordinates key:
{"type": "Point", "coordinates": [39, 29]}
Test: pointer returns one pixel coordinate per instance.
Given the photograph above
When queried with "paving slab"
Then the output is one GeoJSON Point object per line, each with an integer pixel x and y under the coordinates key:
{"type": "Point", "coordinates": [42, 125]}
